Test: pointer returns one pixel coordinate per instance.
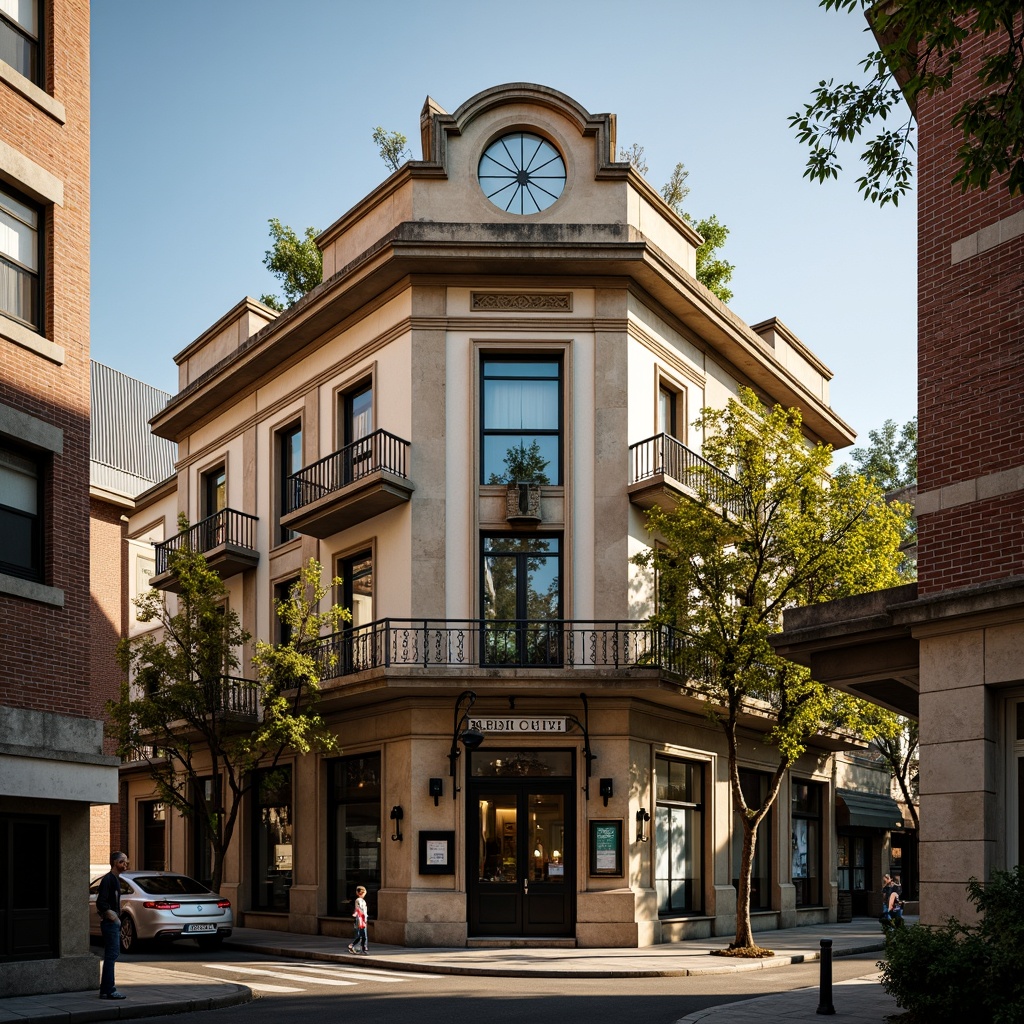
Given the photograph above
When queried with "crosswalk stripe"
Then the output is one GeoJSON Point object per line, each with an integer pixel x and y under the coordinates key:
{"type": "Point", "coordinates": [237, 968]}
{"type": "Point", "coordinates": [260, 986]}
{"type": "Point", "coordinates": [370, 972]}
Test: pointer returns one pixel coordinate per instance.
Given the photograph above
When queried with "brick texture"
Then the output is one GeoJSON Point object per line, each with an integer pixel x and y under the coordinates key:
{"type": "Point", "coordinates": [45, 650]}
{"type": "Point", "coordinates": [970, 359]}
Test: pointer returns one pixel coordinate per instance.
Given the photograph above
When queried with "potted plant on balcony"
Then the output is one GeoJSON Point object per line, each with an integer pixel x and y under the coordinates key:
{"type": "Point", "coordinates": [524, 475]}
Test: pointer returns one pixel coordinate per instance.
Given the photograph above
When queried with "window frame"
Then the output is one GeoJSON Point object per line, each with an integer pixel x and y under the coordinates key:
{"type": "Point", "coordinates": [285, 459]}
{"type": "Point", "coordinates": [697, 807]}
{"type": "Point", "coordinates": [208, 488]}
{"type": "Point", "coordinates": [809, 888]}
{"type": "Point", "coordinates": [259, 846]}
{"type": "Point", "coordinates": [35, 572]}
{"type": "Point", "coordinates": [281, 592]}
{"type": "Point", "coordinates": [340, 903]}
{"type": "Point", "coordinates": [557, 359]}
{"type": "Point", "coordinates": [33, 323]}
{"type": "Point", "coordinates": [36, 73]}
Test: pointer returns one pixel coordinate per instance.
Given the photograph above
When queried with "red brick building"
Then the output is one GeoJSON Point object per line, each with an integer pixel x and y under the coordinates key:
{"type": "Point", "coordinates": [52, 765]}
{"type": "Point", "coordinates": [951, 647]}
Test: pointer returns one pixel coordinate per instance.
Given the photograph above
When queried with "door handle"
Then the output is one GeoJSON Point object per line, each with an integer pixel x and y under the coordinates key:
{"type": "Point", "coordinates": [526, 887]}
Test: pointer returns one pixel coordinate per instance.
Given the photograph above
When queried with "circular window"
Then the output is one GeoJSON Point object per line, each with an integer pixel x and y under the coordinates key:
{"type": "Point", "coordinates": [521, 173]}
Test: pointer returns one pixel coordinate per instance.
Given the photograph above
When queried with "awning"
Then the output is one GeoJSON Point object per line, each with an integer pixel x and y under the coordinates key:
{"type": "Point", "coordinates": [869, 810]}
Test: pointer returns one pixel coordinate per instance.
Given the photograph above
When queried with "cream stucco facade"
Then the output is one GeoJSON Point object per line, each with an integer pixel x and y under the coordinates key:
{"type": "Point", "coordinates": [387, 370]}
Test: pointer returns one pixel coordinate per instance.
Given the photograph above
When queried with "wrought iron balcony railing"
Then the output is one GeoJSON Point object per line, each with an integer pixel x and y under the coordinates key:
{"type": "Point", "coordinates": [485, 643]}
{"type": "Point", "coordinates": [224, 527]}
{"type": "Point", "coordinates": [663, 455]}
{"type": "Point", "coordinates": [377, 452]}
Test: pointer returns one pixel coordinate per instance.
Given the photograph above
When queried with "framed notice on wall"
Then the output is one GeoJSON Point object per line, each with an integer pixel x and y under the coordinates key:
{"type": "Point", "coordinates": [606, 846]}
{"type": "Point", "coordinates": [437, 853]}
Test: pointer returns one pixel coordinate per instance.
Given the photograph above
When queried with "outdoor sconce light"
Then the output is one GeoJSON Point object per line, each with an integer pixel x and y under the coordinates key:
{"type": "Point", "coordinates": [461, 731]}
{"type": "Point", "coordinates": [606, 790]}
{"type": "Point", "coordinates": [436, 789]}
{"type": "Point", "coordinates": [396, 816]}
{"type": "Point", "coordinates": [642, 817]}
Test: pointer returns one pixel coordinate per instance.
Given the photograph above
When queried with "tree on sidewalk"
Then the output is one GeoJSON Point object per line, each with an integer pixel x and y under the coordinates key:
{"type": "Point", "coordinates": [184, 711]}
{"type": "Point", "coordinates": [787, 535]}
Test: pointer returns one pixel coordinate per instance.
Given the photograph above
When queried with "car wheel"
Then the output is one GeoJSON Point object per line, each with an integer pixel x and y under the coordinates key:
{"type": "Point", "coordinates": [210, 941]}
{"type": "Point", "coordinates": [129, 937]}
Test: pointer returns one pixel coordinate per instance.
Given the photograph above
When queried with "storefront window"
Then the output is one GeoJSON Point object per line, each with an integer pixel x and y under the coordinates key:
{"type": "Point", "coordinates": [272, 839]}
{"type": "Point", "coordinates": [354, 831]}
{"type": "Point", "coordinates": [755, 792]}
{"type": "Point", "coordinates": [806, 842]}
{"type": "Point", "coordinates": [679, 836]}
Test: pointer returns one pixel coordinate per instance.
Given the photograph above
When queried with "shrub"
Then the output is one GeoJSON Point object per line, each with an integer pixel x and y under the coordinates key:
{"type": "Point", "coordinates": [963, 972]}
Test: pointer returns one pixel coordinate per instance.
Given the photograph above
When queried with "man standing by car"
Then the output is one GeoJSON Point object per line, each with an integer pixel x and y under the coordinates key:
{"type": "Point", "coordinates": [108, 906]}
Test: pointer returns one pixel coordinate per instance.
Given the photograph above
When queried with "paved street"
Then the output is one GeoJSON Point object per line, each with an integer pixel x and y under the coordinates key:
{"type": "Point", "coordinates": [304, 979]}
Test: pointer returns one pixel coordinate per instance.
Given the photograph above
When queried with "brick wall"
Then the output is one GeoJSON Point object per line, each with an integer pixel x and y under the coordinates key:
{"type": "Point", "coordinates": [44, 650]}
{"type": "Point", "coordinates": [970, 358]}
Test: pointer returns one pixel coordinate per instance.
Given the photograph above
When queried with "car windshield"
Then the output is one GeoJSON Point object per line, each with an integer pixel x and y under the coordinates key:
{"type": "Point", "coordinates": [169, 885]}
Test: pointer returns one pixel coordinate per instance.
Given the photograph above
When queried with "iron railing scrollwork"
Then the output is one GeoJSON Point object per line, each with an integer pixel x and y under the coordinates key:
{"type": "Point", "coordinates": [486, 643]}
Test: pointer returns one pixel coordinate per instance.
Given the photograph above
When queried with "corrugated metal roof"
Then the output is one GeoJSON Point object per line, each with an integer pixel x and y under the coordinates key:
{"type": "Point", "coordinates": [124, 455]}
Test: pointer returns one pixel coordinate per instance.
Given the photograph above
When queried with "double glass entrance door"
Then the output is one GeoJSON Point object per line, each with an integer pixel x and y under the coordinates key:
{"type": "Point", "coordinates": [522, 874]}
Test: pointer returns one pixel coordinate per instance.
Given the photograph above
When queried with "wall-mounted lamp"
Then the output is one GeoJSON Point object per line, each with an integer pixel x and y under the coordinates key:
{"type": "Point", "coordinates": [436, 789]}
{"type": "Point", "coordinates": [396, 816]}
{"type": "Point", "coordinates": [461, 731]}
{"type": "Point", "coordinates": [606, 790]}
{"type": "Point", "coordinates": [642, 817]}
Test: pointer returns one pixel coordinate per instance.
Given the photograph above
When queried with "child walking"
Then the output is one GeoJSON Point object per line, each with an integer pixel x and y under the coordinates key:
{"type": "Point", "coordinates": [360, 915]}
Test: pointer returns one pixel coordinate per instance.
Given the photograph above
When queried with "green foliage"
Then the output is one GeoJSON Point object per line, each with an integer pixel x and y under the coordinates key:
{"type": "Point", "coordinates": [184, 710]}
{"type": "Point", "coordinates": [297, 262]}
{"type": "Point", "coordinates": [392, 147]}
{"type": "Point", "coordinates": [890, 460]}
{"type": "Point", "coordinates": [790, 535]}
{"type": "Point", "coordinates": [712, 271]}
{"type": "Point", "coordinates": [921, 49]}
{"type": "Point", "coordinates": [963, 972]}
{"type": "Point", "coordinates": [897, 740]}
{"type": "Point", "coordinates": [675, 190]}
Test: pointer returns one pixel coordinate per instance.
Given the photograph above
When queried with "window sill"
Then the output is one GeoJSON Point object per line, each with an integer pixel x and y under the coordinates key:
{"type": "Point", "coordinates": [27, 338]}
{"type": "Point", "coordinates": [43, 100]}
{"type": "Point", "coordinates": [31, 591]}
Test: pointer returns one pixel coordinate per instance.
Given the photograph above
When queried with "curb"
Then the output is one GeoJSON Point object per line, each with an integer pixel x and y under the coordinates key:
{"type": "Point", "coordinates": [576, 971]}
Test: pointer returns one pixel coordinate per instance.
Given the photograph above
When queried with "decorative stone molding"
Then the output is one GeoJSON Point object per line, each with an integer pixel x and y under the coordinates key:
{"type": "Point", "coordinates": [522, 502]}
{"type": "Point", "coordinates": [526, 302]}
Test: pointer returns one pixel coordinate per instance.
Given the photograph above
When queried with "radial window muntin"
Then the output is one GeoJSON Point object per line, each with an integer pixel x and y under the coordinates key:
{"type": "Point", "coordinates": [521, 173]}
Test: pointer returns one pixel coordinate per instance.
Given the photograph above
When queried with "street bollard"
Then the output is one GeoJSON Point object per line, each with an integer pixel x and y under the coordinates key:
{"type": "Point", "coordinates": [825, 988]}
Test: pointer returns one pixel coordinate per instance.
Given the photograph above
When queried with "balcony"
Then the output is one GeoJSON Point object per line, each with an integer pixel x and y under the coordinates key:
{"type": "Point", "coordinates": [663, 469]}
{"type": "Point", "coordinates": [354, 484]}
{"type": "Point", "coordinates": [447, 644]}
{"type": "Point", "coordinates": [227, 539]}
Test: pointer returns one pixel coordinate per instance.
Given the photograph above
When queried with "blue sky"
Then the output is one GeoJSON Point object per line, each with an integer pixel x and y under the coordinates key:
{"type": "Point", "coordinates": [211, 116]}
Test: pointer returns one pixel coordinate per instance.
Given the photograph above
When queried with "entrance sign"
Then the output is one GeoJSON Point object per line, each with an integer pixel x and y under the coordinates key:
{"type": "Point", "coordinates": [606, 847]}
{"type": "Point", "coordinates": [518, 724]}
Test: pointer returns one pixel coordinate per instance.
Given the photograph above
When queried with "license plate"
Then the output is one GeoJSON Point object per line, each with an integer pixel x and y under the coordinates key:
{"type": "Point", "coordinates": [198, 929]}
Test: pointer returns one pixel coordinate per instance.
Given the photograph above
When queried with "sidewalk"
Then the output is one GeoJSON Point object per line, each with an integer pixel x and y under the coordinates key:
{"type": "Point", "coordinates": [151, 990]}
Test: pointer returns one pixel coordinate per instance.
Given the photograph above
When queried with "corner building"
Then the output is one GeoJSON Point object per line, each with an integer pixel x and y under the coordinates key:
{"type": "Point", "coordinates": [466, 422]}
{"type": "Point", "coordinates": [53, 768]}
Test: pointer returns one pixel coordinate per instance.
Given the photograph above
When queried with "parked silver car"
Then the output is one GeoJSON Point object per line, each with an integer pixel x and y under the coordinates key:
{"type": "Point", "coordinates": [163, 905]}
